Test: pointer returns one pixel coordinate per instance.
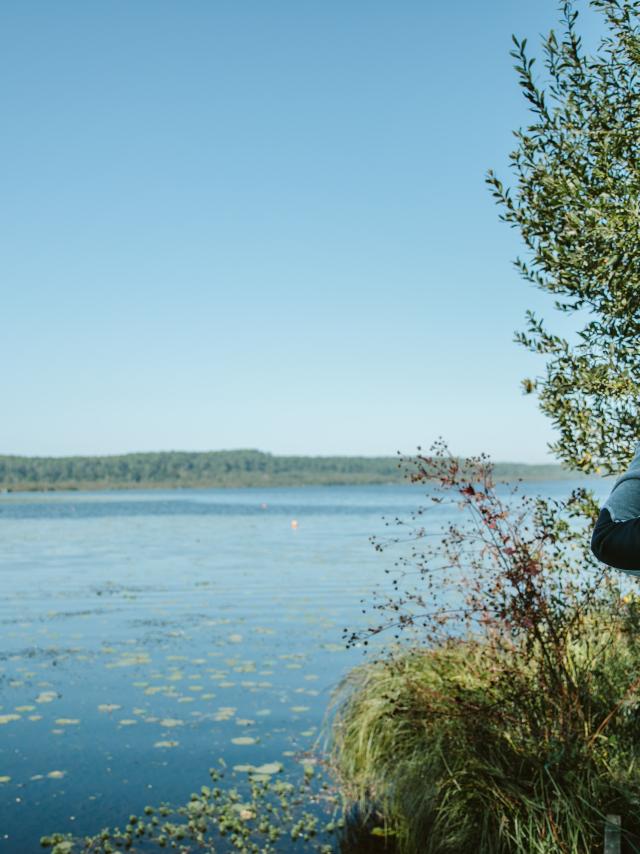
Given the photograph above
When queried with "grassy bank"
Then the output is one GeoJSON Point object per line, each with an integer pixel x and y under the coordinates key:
{"type": "Point", "coordinates": [458, 751]}
{"type": "Point", "coordinates": [508, 722]}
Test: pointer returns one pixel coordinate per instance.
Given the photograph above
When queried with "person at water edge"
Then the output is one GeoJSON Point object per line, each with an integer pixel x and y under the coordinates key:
{"type": "Point", "coordinates": [616, 536]}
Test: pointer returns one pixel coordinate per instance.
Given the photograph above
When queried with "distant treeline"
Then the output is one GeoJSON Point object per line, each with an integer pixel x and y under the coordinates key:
{"type": "Point", "coordinates": [218, 468]}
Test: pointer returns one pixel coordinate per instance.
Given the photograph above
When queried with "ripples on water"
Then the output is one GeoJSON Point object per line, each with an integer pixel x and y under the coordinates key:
{"type": "Point", "coordinates": [146, 635]}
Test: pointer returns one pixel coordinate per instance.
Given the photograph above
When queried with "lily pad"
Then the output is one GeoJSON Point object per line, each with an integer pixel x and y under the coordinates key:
{"type": "Point", "coordinates": [269, 768]}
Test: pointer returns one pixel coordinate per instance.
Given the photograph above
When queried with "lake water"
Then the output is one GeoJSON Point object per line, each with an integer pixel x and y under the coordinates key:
{"type": "Point", "coordinates": [143, 633]}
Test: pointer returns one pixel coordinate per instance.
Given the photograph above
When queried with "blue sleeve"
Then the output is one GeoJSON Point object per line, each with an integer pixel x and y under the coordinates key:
{"type": "Point", "coordinates": [624, 502]}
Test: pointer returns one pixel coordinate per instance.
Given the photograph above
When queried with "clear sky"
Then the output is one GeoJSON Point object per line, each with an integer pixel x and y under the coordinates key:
{"type": "Point", "coordinates": [231, 224]}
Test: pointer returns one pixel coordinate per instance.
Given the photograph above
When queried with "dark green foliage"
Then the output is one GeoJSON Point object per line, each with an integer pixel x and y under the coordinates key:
{"type": "Point", "coordinates": [576, 206]}
{"type": "Point", "coordinates": [216, 468]}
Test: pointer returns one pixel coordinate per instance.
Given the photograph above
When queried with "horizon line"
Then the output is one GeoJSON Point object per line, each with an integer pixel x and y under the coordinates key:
{"type": "Point", "coordinates": [397, 455]}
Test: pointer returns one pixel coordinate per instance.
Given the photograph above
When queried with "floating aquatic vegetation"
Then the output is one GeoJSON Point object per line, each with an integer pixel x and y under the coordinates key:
{"type": "Point", "coordinates": [56, 775]}
{"type": "Point", "coordinates": [5, 779]}
{"type": "Point", "coordinates": [47, 697]}
{"type": "Point", "coordinates": [108, 707]}
{"type": "Point", "coordinates": [168, 723]}
{"type": "Point", "coordinates": [166, 743]}
{"type": "Point", "coordinates": [5, 719]}
{"type": "Point", "coordinates": [224, 713]}
{"type": "Point", "coordinates": [244, 739]}
{"type": "Point", "coordinates": [257, 819]}
{"type": "Point", "coordinates": [130, 659]}
{"type": "Point", "coordinates": [269, 768]}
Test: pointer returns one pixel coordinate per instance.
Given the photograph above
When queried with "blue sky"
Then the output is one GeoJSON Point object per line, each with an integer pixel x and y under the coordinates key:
{"type": "Point", "coordinates": [264, 225]}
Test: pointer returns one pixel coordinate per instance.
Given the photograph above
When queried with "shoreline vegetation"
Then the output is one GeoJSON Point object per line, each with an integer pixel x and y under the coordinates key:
{"type": "Point", "coordinates": [506, 720]}
{"type": "Point", "coordinates": [231, 469]}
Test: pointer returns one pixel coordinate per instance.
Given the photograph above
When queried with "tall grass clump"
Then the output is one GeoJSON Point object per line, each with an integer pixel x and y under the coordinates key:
{"type": "Point", "coordinates": [505, 716]}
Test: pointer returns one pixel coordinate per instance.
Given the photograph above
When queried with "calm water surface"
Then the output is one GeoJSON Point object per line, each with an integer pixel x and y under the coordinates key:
{"type": "Point", "coordinates": [144, 633]}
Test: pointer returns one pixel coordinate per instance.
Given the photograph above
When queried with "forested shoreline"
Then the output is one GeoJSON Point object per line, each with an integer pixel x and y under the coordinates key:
{"type": "Point", "coordinates": [239, 468]}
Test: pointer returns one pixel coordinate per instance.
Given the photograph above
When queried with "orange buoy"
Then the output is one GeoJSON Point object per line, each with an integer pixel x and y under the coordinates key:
{"type": "Point", "coordinates": [294, 523]}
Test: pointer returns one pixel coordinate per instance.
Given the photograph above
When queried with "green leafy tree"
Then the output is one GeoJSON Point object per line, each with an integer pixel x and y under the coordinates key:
{"type": "Point", "coordinates": [577, 207]}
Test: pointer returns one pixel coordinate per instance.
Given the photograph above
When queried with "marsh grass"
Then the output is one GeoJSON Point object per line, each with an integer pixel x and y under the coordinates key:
{"type": "Point", "coordinates": [515, 725]}
{"type": "Point", "coordinates": [459, 760]}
